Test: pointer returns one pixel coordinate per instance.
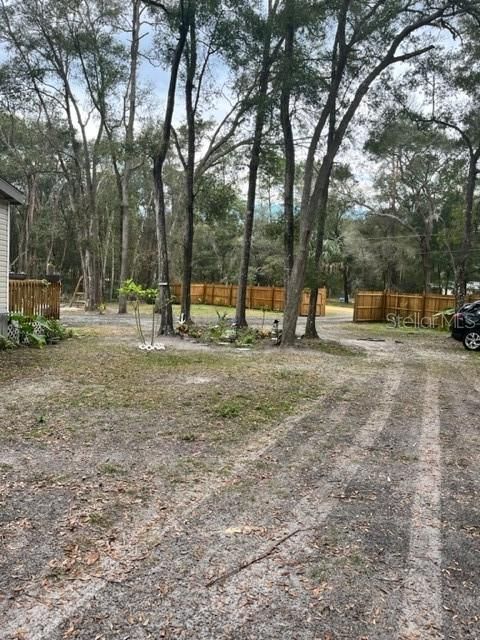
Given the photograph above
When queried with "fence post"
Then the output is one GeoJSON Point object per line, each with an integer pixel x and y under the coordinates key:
{"type": "Point", "coordinates": [230, 296]}
{"type": "Point", "coordinates": [384, 305]}
{"type": "Point", "coordinates": [424, 303]}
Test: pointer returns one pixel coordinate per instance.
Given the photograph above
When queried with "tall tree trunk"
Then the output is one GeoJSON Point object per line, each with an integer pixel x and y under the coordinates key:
{"type": "Point", "coordinates": [112, 272]}
{"type": "Point", "coordinates": [310, 327]}
{"type": "Point", "coordinates": [297, 277]}
{"type": "Point", "coordinates": [289, 146]}
{"type": "Point", "coordinates": [91, 280]}
{"type": "Point", "coordinates": [346, 283]}
{"type": "Point", "coordinates": [125, 233]}
{"type": "Point", "coordinates": [189, 173]}
{"type": "Point", "coordinates": [426, 263]}
{"type": "Point", "coordinates": [240, 315]}
{"type": "Point", "coordinates": [129, 139]}
{"type": "Point", "coordinates": [164, 303]}
{"type": "Point", "coordinates": [93, 267]}
{"type": "Point", "coordinates": [24, 261]}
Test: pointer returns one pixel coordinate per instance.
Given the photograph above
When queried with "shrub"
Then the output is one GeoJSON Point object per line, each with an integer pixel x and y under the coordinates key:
{"type": "Point", "coordinates": [5, 344]}
{"type": "Point", "coordinates": [37, 331]}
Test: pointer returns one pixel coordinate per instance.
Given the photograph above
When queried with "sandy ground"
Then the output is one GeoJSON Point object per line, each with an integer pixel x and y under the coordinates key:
{"type": "Point", "coordinates": [209, 493]}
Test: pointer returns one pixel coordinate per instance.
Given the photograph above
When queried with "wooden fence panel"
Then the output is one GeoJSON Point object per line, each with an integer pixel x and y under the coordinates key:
{"type": "Point", "coordinates": [369, 306]}
{"type": "Point", "coordinates": [404, 306]}
{"type": "Point", "coordinates": [176, 291]}
{"type": "Point", "coordinates": [305, 300]}
{"type": "Point", "coordinates": [268, 298]}
{"type": "Point", "coordinates": [35, 297]}
{"type": "Point", "coordinates": [434, 304]}
{"type": "Point", "coordinates": [261, 297]}
{"type": "Point", "coordinates": [220, 295]}
{"type": "Point", "coordinates": [415, 308]}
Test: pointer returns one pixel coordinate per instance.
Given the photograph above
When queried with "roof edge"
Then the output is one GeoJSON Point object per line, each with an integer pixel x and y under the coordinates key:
{"type": "Point", "coordinates": [11, 193]}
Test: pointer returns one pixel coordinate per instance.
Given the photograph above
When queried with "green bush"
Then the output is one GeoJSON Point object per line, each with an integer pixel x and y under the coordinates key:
{"type": "Point", "coordinates": [5, 344]}
{"type": "Point", "coordinates": [52, 330]}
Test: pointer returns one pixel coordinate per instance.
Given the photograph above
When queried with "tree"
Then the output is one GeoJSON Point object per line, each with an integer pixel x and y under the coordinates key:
{"type": "Point", "coordinates": [288, 139]}
{"type": "Point", "coordinates": [128, 121]}
{"type": "Point", "coordinates": [208, 33]}
{"type": "Point", "coordinates": [460, 118]}
{"type": "Point", "coordinates": [268, 56]}
{"type": "Point", "coordinates": [179, 19]}
{"type": "Point", "coordinates": [380, 35]}
{"type": "Point", "coordinates": [411, 182]}
{"type": "Point", "coordinates": [25, 160]}
{"type": "Point", "coordinates": [57, 57]}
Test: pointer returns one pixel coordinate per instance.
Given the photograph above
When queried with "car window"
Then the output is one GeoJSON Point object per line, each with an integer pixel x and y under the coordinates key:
{"type": "Point", "coordinates": [471, 307]}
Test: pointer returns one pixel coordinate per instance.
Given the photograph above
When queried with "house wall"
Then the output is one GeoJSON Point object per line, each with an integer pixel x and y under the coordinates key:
{"type": "Point", "coordinates": [4, 264]}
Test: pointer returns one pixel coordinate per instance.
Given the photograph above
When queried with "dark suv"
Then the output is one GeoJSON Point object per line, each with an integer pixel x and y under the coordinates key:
{"type": "Point", "coordinates": [466, 325]}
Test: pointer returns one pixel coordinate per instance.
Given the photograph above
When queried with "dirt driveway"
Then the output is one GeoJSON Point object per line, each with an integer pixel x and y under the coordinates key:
{"type": "Point", "coordinates": [314, 493]}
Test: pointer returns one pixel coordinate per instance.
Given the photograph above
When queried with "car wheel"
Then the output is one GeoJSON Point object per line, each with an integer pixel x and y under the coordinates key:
{"type": "Point", "coordinates": [471, 341]}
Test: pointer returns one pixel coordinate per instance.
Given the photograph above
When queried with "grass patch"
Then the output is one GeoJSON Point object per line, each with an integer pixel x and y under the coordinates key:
{"type": "Point", "coordinates": [111, 469]}
{"type": "Point", "coordinates": [186, 469]}
{"type": "Point", "coordinates": [38, 432]}
{"type": "Point", "coordinates": [332, 302]}
{"type": "Point", "coordinates": [228, 409]}
{"type": "Point", "coordinates": [203, 312]}
{"type": "Point", "coordinates": [331, 347]}
{"type": "Point", "coordinates": [98, 519]}
{"type": "Point", "coordinates": [102, 388]}
{"type": "Point", "coordinates": [385, 330]}
{"type": "Point", "coordinates": [188, 437]}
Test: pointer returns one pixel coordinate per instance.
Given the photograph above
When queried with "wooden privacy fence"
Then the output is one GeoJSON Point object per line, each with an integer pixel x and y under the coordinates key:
{"type": "Point", "coordinates": [269, 298]}
{"type": "Point", "coordinates": [35, 297]}
{"type": "Point", "coordinates": [416, 308]}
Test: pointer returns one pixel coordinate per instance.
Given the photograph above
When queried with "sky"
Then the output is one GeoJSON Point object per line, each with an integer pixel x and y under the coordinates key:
{"type": "Point", "coordinates": [156, 79]}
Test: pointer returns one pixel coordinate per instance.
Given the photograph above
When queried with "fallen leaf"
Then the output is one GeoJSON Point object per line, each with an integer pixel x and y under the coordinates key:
{"type": "Point", "coordinates": [91, 557]}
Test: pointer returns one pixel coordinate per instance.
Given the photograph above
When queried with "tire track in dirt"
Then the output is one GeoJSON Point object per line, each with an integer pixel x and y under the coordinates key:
{"type": "Point", "coordinates": [221, 601]}
{"type": "Point", "coordinates": [311, 512]}
{"type": "Point", "coordinates": [460, 433]}
{"type": "Point", "coordinates": [56, 605]}
{"type": "Point", "coordinates": [422, 609]}
{"type": "Point", "coordinates": [351, 577]}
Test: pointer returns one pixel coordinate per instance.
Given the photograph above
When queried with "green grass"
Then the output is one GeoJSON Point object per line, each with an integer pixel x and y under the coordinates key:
{"type": "Point", "coordinates": [331, 347]}
{"type": "Point", "coordinates": [111, 469]}
{"type": "Point", "coordinates": [385, 330]}
{"type": "Point", "coordinates": [104, 387]}
{"type": "Point", "coordinates": [205, 312]}
{"type": "Point", "coordinates": [332, 302]}
{"type": "Point", "coordinates": [98, 519]}
{"type": "Point", "coordinates": [211, 313]}
{"type": "Point", "coordinates": [229, 409]}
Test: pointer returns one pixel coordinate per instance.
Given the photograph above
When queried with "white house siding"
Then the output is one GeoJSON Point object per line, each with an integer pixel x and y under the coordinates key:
{"type": "Point", "coordinates": [4, 257]}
